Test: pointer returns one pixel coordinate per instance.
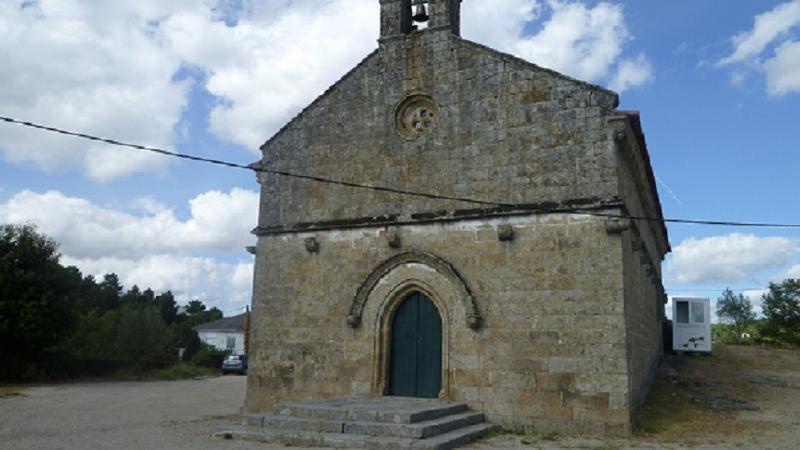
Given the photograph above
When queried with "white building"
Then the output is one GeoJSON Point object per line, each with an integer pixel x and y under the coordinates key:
{"type": "Point", "coordinates": [224, 334]}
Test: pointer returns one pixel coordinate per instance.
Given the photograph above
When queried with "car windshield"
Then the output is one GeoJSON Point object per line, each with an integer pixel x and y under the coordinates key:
{"type": "Point", "coordinates": [231, 358]}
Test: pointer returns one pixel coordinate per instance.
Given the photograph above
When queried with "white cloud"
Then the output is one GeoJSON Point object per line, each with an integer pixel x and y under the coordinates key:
{"type": "Point", "coordinates": [277, 60]}
{"type": "Point", "coordinates": [110, 68]}
{"type": "Point", "coordinates": [770, 47]}
{"type": "Point", "coordinates": [792, 272]}
{"type": "Point", "coordinates": [274, 61]}
{"type": "Point", "coordinates": [755, 297]}
{"type": "Point", "coordinates": [500, 24]}
{"type": "Point", "coordinates": [98, 67]}
{"type": "Point", "coordinates": [219, 222]}
{"type": "Point", "coordinates": [768, 27]}
{"type": "Point", "coordinates": [730, 258]}
{"type": "Point", "coordinates": [153, 248]}
{"type": "Point", "coordinates": [783, 70]}
{"type": "Point", "coordinates": [631, 73]}
{"type": "Point", "coordinates": [215, 283]}
{"type": "Point", "coordinates": [578, 40]}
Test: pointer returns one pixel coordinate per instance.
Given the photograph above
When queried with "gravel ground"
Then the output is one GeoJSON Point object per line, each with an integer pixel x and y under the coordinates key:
{"type": "Point", "coordinates": [129, 415]}
{"type": "Point", "coordinates": [183, 414]}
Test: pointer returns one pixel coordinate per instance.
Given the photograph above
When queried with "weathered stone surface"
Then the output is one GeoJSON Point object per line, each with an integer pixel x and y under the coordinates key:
{"type": "Point", "coordinates": [561, 326]}
{"type": "Point", "coordinates": [391, 422]}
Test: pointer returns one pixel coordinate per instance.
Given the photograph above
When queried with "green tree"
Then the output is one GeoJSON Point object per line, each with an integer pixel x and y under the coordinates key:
{"type": "Point", "coordinates": [148, 296]}
{"type": "Point", "coordinates": [194, 315]}
{"type": "Point", "coordinates": [168, 307]}
{"type": "Point", "coordinates": [110, 292]}
{"type": "Point", "coordinates": [781, 308]}
{"type": "Point", "coordinates": [195, 307]}
{"type": "Point", "coordinates": [36, 294]}
{"type": "Point", "coordinates": [191, 346]}
{"type": "Point", "coordinates": [134, 296]}
{"type": "Point", "coordinates": [735, 310]}
{"type": "Point", "coordinates": [143, 340]}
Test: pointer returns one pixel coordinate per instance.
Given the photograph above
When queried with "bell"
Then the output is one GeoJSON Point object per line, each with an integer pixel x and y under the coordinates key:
{"type": "Point", "coordinates": [420, 14]}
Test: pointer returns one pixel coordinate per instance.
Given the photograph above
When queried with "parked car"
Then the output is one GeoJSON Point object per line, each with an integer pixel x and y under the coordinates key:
{"type": "Point", "coordinates": [235, 364]}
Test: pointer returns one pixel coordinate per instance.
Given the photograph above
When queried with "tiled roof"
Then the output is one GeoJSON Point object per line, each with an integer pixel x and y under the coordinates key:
{"type": "Point", "coordinates": [233, 323]}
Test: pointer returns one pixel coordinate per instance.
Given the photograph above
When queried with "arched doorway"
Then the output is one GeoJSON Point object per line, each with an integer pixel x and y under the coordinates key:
{"type": "Point", "coordinates": [415, 355]}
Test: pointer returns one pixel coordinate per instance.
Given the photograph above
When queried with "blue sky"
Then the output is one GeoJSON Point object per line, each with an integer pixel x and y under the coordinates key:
{"type": "Point", "coordinates": [717, 84]}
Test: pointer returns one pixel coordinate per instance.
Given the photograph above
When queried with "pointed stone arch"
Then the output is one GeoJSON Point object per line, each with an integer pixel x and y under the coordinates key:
{"type": "Point", "coordinates": [472, 317]}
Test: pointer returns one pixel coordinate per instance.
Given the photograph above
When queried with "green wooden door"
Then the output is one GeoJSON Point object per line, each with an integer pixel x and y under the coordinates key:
{"type": "Point", "coordinates": [416, 349]}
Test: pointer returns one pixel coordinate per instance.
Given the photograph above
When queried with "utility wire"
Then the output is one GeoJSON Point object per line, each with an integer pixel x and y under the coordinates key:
{"type": "Point", "coordinates": [714, 290]}
{"type": "Point", "coordinates": [388, 189]}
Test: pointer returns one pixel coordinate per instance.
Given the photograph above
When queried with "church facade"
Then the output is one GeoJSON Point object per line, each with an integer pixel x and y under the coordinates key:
{"type": "Point", "coordinates": [519, 285]}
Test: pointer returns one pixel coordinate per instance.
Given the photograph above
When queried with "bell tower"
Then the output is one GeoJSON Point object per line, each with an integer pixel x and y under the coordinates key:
{"type": "Point", "coordinates": [401, 17]}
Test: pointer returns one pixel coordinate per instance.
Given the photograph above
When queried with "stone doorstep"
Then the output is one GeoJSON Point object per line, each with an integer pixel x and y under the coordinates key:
{"type": "Point", "coordinates": [448, 440]}
{"type": "Point", "coordinates": [420, 430]}
{"type": "Point", "coordinates": [416, 430]}
{"type": "Point", "coordinates": [373, 411]}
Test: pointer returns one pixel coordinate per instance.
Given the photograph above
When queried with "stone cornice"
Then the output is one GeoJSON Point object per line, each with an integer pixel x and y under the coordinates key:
{"type": "Point", "coordinates": [451, 215]}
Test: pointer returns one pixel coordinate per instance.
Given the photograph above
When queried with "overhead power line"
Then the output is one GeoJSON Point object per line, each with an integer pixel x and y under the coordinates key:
{"type": "Point", "coordinates": [715, 290]}
{"type": "Point", "coordinates": [385, 188]}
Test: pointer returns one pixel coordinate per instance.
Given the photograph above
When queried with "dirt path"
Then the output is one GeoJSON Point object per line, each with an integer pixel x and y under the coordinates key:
{"type": "Point", "coordinates": [740, 397]}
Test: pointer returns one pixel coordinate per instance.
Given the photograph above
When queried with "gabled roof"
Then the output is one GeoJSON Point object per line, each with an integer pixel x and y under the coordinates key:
{"type": "Point", "coordinates": [499, 54]}
{"type": "Point", "coordinates": [330, 89]}
{"type": "Point", "coordinates": [233, 323]}
{"type": "Point", "coordinates": [538, 68]}
{"type": "Point", "coordinates": [636, 124]}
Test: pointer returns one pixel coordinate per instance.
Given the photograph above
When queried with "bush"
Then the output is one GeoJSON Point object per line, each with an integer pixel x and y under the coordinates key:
{"type": "Point", "coordinates": [209, 356]}
{"type": "Point", "coordinates": [143, 340]}
{"type": "Point", "coordinates": [781, 308]}
{"type": "Point", "coordinates": [728, 335]}
{"type": "Point", "coordinates": [192, 347]}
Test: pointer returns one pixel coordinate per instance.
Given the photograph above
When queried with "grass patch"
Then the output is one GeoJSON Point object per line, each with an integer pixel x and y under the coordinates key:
{"type": "Point", "coordinates": [670, 409]}
{"type": "Point", "coordinates": [180, 371]}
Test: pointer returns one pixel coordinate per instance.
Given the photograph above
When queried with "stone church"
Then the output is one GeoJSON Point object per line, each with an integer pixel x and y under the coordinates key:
{"type": "Point", "coordinates": [515, 287]}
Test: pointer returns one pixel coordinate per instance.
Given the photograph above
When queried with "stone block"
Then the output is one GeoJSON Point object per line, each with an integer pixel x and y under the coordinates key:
{"type": "Point", "coordinates": [555, 381]}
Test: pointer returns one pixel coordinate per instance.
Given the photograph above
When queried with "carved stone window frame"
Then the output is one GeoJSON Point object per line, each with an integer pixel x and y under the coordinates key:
{"type": "Point", "coordinates": [408, 106]}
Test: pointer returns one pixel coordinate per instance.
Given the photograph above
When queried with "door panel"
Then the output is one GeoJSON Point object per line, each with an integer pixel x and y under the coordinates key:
{"type": "Point", "coordinates": [429, 350]}
{"type": "Point", "coordinates": [403, 349]}
{"type": "Point", "coordinates": [416, 349]}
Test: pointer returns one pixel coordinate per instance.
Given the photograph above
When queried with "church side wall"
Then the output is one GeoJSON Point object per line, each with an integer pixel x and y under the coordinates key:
{"type": "Point", "coordinates": [550, 356]}
{"type": "Point", "coordinates": [644, 308]}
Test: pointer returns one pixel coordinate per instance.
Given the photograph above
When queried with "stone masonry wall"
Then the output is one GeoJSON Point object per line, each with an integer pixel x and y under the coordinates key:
{"type": "Point", "coordinates": [567, 342]}
{"type": "Point", "coordinates": [505, 131]}
{"type": "Point", "coordinates": [644, 308]}
{"type": "Point", "coordinates": [643, 314]}
{"type": "Point", "coordinates": [551, 355]}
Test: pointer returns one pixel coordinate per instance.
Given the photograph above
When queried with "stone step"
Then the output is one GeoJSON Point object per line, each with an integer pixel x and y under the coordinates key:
{"type": "Point", "coordinates": [416, 430]}
{"type": "Point", "coordinates": [455, 438]}
{"type": "Point", "coordinates": [397, 410]}
{"type": "Point", "coordinates": [299, 438]}
{"type": "Point", "coordinates": [282, 422]}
